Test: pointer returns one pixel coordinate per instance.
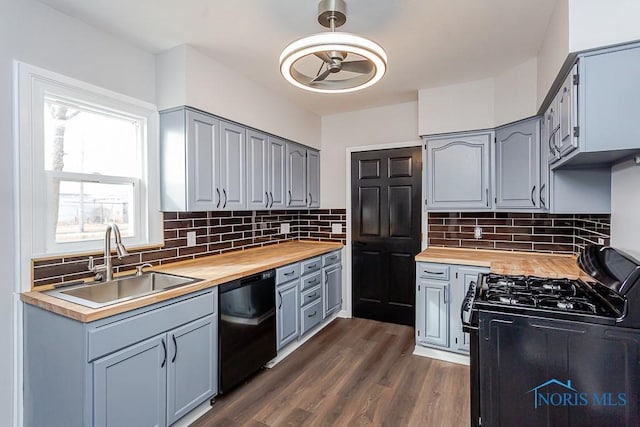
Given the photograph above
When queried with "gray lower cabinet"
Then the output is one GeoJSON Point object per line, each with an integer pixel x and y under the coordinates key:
{"type": "Point", "coordinates": [440, 291]}
{"type": "Point", "coordinates": [517, 166]}
{"type": "Point", "coordinates": [149, 366]}
{"type": "Point", "coordinates": [296, 196]}
{"type": "Point", "coordinates": [458, 172]}
{"type": "Point", "coordinates": [332, 289]}
{"type": "Point", "coordinates": [287, 304]}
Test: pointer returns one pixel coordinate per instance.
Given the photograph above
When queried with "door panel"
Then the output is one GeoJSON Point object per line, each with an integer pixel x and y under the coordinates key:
{"type": "Point", "coordinates": [232, 166]}
{"type": "Point", "coordinates": [385, 202]}
{"type": "Point", "coordinates": [257, 170]}
{"type": "Point", "coordinates": [203, 141]}
{"type": "Point", "coordinates": [370, 211]}
{"type": "Point", "coordinates": [277, 172]}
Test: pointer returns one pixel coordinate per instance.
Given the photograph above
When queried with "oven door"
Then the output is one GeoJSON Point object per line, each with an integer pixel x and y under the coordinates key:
{"type": "Point", "coordinates": [549, 372]}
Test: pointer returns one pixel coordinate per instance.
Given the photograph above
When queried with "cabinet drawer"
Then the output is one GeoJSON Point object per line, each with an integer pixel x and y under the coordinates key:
{"type": "Point", "coordinates": [287, 273]}
{"type": "Point", "coordinates": [310, 295]}
{"type": "Point", "coordinates": [311, 281]}
{"type": "Point", "coordinates": [332, 258]}
{"type": "Point", "coordinates": [114, 336]}
{"type": "Point", "coordinates": [433, 271]}
{"type": "Point", "coordinates": [310, 265]}
{"type": "Point", "coordinates": [311, 316]}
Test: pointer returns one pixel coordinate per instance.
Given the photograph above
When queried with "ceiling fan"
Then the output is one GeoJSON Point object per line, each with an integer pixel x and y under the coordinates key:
{"type": "Point", "coordinates": [333, 48]}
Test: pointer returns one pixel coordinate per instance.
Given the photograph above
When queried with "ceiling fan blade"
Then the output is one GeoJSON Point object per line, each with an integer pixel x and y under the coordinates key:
{"type": "Point", "coordinates": [322, 76]}
{"type": "Point", "coordinates": [362, 67]}
{"type": "Point", "coordinates": [324, 56]}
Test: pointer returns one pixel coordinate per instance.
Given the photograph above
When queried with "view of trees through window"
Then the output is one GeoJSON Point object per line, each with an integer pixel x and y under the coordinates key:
{"type": "Point", "coordinates": [92, 159]}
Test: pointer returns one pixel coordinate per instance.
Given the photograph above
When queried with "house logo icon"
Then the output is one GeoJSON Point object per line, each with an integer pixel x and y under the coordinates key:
{"type": "Point", "coordinates": [556, 393]}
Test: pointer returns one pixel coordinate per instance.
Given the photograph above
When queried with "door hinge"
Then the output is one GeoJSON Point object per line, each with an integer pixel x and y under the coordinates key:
{"type": "Point", "coordinates": [576, 131]}
{"type": "Point", "coordinates": [576, 79]}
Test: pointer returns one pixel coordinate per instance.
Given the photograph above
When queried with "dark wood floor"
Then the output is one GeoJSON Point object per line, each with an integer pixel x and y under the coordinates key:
{"type": "Point", "coordinates": [354, 372]}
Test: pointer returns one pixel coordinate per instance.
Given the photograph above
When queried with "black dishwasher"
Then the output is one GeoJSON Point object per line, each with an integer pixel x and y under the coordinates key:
{"type": "Point", "coordinates": [247, 331]}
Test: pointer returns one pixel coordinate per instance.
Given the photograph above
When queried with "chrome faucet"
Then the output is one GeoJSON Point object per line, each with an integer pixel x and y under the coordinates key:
{"type": "Point", "coordinates": [107, 267]}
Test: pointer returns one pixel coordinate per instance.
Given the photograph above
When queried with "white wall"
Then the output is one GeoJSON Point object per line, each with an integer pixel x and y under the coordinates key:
{"type": "Point", "coordinates": [186, 76]}
{"type": "Point", "coordinates": [479, 104]}
{"type": "Point", "coordinates": [455, 108]}
{"type": "Point", "coordinates": [38, 35]}
{"type": "Point", "coordinates": [554, 48]}
{"type": "Point", "coordinates": [383, 125]}
{"type": "Point", "coordinates": [595, 23]}
{"type": "Point", "coordinates": [515, 95]}
{"type": "Point", "coordinates": [625, 205]}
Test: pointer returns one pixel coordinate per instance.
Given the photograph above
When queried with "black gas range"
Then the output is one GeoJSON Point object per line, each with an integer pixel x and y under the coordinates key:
{"type": "Point", "coordinates": [557, 351]}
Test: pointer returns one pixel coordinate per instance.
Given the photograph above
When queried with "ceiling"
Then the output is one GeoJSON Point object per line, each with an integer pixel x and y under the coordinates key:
{"type": "Point", "coordinates": [429, 43]}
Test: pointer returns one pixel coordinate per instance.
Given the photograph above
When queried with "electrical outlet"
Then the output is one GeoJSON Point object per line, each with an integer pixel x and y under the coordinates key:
{"type": "Point", "coordinates": [600, 241]}
{"type": "Point", "coordinates": [336, 228]}
{"type": "Point", "coordinates": [477, 232]}
{"type": "Point", "coordinates": [191, 238]}
{"type": "Point", "coordinates": [285, 228]}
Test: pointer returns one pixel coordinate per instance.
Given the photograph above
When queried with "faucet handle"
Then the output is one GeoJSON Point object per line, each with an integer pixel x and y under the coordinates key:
{"type": "Point", "coordinates": [140, 267]}
{"type": "Point", "coordinates": [95, 268]}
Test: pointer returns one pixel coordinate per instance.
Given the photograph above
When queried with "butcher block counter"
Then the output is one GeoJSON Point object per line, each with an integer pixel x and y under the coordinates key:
{"type": "Point", "coordinates": [212, 271]}
{"type": "Point", "coordinates": [504, 262]}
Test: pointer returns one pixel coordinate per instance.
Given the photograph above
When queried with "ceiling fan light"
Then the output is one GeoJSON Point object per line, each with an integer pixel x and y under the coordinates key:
{"type": "Point", "coordinates": [333, 41]}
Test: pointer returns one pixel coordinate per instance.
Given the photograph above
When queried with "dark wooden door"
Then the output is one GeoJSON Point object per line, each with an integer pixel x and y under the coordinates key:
{"type": "Point", "coordinates": [385, 215]}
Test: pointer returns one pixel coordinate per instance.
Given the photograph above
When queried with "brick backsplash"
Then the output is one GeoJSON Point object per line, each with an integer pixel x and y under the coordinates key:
{"type": "Point", "coordinates": [216, 232]}
{"type": "Point", "coordinates": [518, 231]}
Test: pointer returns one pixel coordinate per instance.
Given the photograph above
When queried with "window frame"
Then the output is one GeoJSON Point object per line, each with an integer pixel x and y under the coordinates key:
{"type": "Point", "coordinates": [33, 86]}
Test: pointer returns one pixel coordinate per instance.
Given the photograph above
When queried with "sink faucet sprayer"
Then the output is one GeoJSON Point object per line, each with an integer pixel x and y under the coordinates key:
{"type": "Point", "coordinates": [107, 267]}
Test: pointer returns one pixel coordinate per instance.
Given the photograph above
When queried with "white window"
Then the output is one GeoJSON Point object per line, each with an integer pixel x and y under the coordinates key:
{"type": "Point", "coordinates": [88, 157]}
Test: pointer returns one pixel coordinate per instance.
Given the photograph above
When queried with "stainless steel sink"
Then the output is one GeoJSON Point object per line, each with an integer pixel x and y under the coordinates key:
{"type": "Point", "coordinates": [122, 289]}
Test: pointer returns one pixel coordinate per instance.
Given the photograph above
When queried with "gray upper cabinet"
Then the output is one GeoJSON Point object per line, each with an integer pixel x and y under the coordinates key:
{"type": "Point", "coordinates": [296, 196]}
{"type": "Point", "coordinates": [257, 170]}
{"type": "Point", "coordinates": [458, 172]}
{"type": "Point", "coordinates": [567, 105]}
{"type": "Point", "coordinates": [313, 178]}
{"type": "Point", "coordinates": [277, 173]}
{"type": "Point", "coordinates": [232, 164]}
{"type": "Point", "coordinates": [598, 123]}
{"type": "Point", "coordinates": [518, 165]}
{"type": "Point", "coordinates": [209, 164]}
{"type": "Point", "coordinates": [189, 173]}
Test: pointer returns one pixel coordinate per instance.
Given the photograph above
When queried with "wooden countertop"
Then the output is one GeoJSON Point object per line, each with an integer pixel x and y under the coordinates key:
{"type": "Point", "coordinates": [212, 270]}
{"type": "Point", "coordinates": [504, 262]}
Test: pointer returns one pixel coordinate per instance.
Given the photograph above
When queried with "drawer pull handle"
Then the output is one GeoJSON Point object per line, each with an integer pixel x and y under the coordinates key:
{"type": "Point", "coordinates": [334, 257]}
{"type": "Point", "coordinates": [289, 273]}
{"type": "Point", "coordinates": [164, 349]}
{"type": "Point", "coordinates": [175, 345]}
{"type": "Point", "coordinates": [312, 315]}
{"type": "Point", "coordinates": [433, 272]}
{"type": "Point", "coordinates": [312, 266]}
{"type": "Point", "coordinates": [312, 295]}
{"type": "Point", "coordinates": [314, 281]}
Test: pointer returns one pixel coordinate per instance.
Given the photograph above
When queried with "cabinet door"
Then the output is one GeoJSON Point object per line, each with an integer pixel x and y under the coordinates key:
{"type": "Point", "coordinates": [277, 173]}
{"type": "Point", "coordinates": [192, 366]}
{"type": "Point", "coordinates": [288, 312]}
{"type": "Point", "coordinates": [129, 387]}
{"type": "Point", "coordinates": [552, 127]}
{"type": "Point", "coordinates": [296, 176]}
{"type": "Point", "coordinates": [517, 165]}
{"type": "Point", "coordinates": [203, 133]}
{"type": "Point", "coordinates": [458, 173]}
{"type": "Point", "coordinates": [463, 278]}
{"type": "Point", "coordinates": [543, 192]}
{"type": "Point", "coordinates": [332, 289]}
{"type": "Point", "coordinates": [313, 178]}
{"type": "Point", "coordinates": [232, 164]}
{"type": "Point", "coordinates": [567, 115]}
{"type": "Point", "coordinates": [257, 171]}
{"type": "Point", "coordinates": [434, 329]}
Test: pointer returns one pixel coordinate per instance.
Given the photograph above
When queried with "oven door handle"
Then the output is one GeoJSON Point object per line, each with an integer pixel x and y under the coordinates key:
{"type": "Point", "coordinates": [466, 307]}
